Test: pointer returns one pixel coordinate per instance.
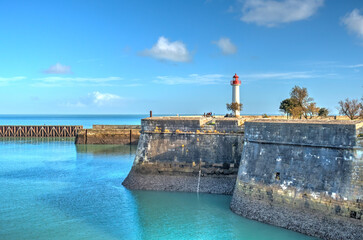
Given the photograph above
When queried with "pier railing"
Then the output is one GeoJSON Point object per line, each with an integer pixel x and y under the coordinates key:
{"type": "Point", "coordinates": [39, 131]}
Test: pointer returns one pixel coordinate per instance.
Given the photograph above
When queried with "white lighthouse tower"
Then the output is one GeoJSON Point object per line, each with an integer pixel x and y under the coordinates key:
{"type": "Point", "coordinates": [235, 91]}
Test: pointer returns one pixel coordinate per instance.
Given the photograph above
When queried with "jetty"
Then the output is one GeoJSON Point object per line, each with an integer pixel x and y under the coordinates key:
{"type": "Point", "coordinates": [98, 134]}
{"type": "Point", "coordinates": [38, 131]}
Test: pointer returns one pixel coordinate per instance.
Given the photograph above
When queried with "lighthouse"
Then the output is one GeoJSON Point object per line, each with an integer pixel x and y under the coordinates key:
{"type": "Point", "coordinates": [235, 91]}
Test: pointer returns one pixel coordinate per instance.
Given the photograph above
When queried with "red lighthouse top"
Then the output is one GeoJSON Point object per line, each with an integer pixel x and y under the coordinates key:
{"type": "Point", "coordinates": [235, 80]}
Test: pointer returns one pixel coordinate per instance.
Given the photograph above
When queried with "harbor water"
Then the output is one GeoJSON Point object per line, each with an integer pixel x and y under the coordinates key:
{"type": "Point", "coordinates": [53, 189]}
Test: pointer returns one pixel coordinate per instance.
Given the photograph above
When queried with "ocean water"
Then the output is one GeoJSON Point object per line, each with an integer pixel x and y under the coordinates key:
{"type": "Point", "coordinates": [53, 189]}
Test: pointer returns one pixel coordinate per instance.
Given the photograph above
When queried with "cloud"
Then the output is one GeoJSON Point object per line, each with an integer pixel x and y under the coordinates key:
{"type": "Point", "coordinates": [166, 50]}
{"type": "Point", "coordinates": [191, 79]}
{"type": "Point", "coordinates": [6, 80]}
{"type": "Point", "coordinates": [11, 79]}
{"type": "Point", "coordinates": [354, 22]}
{"type": "Point", "coordinates": [103, 98]}
{"type": "Point", "coordinates": [94, 99]}
{"type": "Point", "coordinates": [72, 81]}
{"type": "Point", "coordinates": [354, 66]}
{"type": "Point", "coordinates": [226, 46]}
{"type": "Point", "coordinates": [58, 69]}
{"type": "Point", "coordinates": [280, 75]}
{"type": "Point", "coordinates": [209, 79]}
{"type": "Point", "coordinates": [271, 13]}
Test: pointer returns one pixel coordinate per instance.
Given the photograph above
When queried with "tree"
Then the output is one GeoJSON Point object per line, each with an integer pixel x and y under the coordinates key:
{"type": "Point", "coordinates": [234, 107]}
{"type": "Point", "coordinates": [304, 104]}
{"type": "Point", "coordinates": [323, 112]}
{"type": "Point", "coordinates": [301, 96]}
{"type": "Point", "coordinates": [351, 108]}
{"type": "Point", "coordinates": [299, 104]}
{"type": "Point", "coordinates": [311, 110]}
{"type": "Point", "coordinates": [286, 106]}
{"type": "Point", "coordinates": [297, 112]}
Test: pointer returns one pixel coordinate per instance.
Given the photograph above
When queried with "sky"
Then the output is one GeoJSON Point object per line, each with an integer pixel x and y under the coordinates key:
{"type": "Point", "coordinates": [176, 57]}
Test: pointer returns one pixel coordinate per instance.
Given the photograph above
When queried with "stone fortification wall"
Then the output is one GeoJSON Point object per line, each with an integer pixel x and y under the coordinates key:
{"type": "Point", "coordinates": [112, 127]}
{"type": "Point", "coordinates": [307, 177]}
{"type": "Point", "coordinates": [229, 125]}
{"type": "Point", "coordinates": [172, 151]}
{"type": "Point", "coordinates": [104, 134]}
{"type": "Point", "coordinates": [184, 124]}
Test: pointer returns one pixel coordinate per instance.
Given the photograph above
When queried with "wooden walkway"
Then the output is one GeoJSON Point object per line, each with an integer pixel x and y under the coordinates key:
{"type": "Point", "coordinates": [39, 131]}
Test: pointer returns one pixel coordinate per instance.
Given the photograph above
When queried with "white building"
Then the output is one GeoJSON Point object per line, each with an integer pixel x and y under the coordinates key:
{"type": "Point", "coordinates": [235, 92]}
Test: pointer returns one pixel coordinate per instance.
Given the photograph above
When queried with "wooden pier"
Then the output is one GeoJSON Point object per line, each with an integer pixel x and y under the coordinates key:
{"type": "Point", "coordinates": [39, 131]}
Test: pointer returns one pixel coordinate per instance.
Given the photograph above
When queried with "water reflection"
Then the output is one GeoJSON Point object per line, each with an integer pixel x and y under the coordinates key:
{"type": "Point", "coordinates": [107, 149]}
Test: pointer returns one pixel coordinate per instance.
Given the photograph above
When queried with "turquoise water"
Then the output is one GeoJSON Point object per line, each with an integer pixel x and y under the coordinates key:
{"type": "Point", "coordinates": [56, 190]}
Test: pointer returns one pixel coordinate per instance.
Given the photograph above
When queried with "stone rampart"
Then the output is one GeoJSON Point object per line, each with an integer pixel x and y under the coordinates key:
{"type": "Point", "coordinates": [112, 127]}
{"type": "Point", "coordinates": [307, 177]}
{"type": "Point", "coordinates": [173, 152]}
{"type": "Point", "coordinates": [103, 134]}
{"type": "Point", "coordinates": [184, 124]}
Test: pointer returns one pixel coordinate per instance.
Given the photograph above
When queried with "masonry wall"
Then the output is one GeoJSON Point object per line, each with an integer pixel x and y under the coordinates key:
{"type": "Point", "coordinates": [172, 152]}
{"type": "Point", "coordinates": [113, 134]}
{"type": "Point", "coordinates": [186, 124]}
{"type": "Point", "coordinates": [112, 127]}
{"type": "Point", "coordinates": [306, 177]}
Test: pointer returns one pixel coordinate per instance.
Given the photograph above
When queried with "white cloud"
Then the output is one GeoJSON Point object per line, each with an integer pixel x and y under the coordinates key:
{"type": "Point", "coordinates": [94, 99]}
{"type": "Point", "coordinates": [271, 13]}
{"type": "Point", "coordinates": [6, 80]}
{"type": "Point", "coordinates": [354, 22]}
{"type": "Point", "coordinates": [226, 46]}
{"type": "Point", "coordinates": [166, 50]}
{"type": "Point", "coordinates": [191, 79]}
{"type": "Point", "coordinates": [11, 79]}
{"type": "Point", "coordinates": [209, 79]}
{"type": "Point", "coordinates": [279, 75]}
{"type": "Point", "coordinates": [354, 66]}
{"type": "Point", "coordinates": [58, 69]}
{"type": "Point", "coordinates": [103, 98]}
{"type": "Point", "coordinates": [72, 81]}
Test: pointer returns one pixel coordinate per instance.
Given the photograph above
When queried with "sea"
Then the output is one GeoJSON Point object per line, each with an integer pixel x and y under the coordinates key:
{"type": "Point", "coordinates": [54, 189]}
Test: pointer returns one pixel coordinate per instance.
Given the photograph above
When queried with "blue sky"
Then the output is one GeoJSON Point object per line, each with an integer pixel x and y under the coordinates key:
{"type": "Point", "coordinates": [65, 57]}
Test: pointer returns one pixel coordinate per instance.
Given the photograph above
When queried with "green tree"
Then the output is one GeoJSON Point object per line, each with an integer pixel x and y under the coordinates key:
{"type": "Point", "coordinates": [323, 112]}
{"type": "Point", "coordinates": [299, 104]}
{"type": "Point", "coordinates": [286, 106]}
